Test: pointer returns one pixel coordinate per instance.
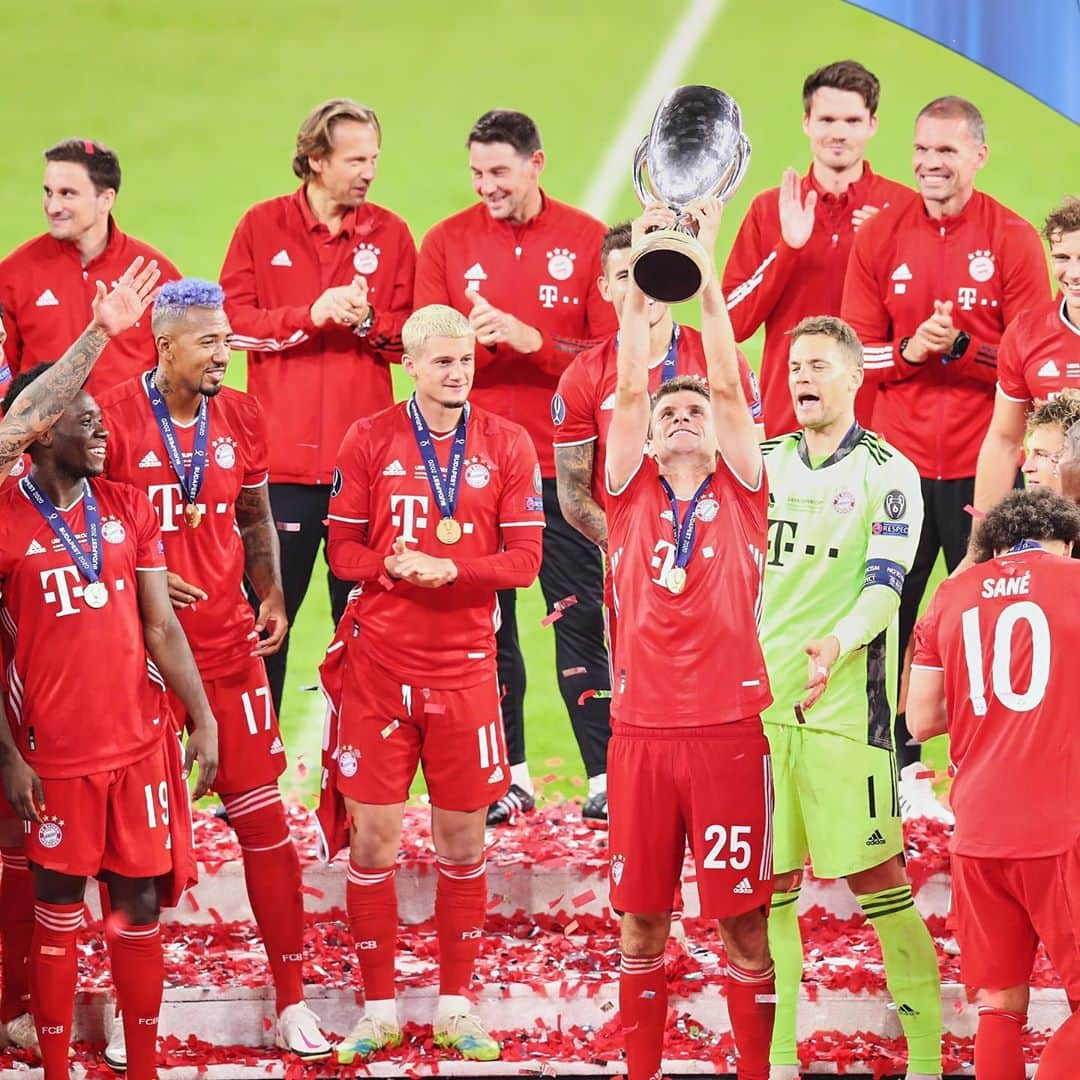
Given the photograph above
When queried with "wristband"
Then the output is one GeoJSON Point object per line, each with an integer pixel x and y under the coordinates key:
{"type": "Point", "coordinates": [903, 346]}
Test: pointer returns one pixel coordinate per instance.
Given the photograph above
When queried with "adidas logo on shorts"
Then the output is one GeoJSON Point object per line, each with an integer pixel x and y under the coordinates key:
{"type": "Point", "coordinates": [744, 888]}
{"type": "Point", "coordinates": [276, 747]}
{"type": "Point", "coordinates": [906, 1010]}
{"type": "Point", "coordinates": [875, 839]}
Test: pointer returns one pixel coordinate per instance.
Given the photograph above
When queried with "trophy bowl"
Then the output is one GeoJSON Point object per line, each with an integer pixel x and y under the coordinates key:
{"type": "Point", "coordinates": [695, 149]}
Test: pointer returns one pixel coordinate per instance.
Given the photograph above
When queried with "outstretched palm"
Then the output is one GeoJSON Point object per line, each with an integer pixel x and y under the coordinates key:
{"type": "Point", "coordinates": [116, 311]}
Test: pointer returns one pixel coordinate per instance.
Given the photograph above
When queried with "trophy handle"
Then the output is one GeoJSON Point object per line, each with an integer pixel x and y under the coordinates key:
{"type": "Point", "coordinates": [742, 163]}
{"type": "Point", "coordinates": [643, 188]}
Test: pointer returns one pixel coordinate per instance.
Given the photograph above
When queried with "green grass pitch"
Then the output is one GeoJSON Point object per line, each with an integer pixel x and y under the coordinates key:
{"type": "Point", "coordinates": [202, 101]}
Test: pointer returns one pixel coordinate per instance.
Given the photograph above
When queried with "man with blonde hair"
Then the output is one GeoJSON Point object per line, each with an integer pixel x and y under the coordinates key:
{"type": "Point", "coordinates": [435, 505]}
{"type": "Point", "coordinates": [317, 286]}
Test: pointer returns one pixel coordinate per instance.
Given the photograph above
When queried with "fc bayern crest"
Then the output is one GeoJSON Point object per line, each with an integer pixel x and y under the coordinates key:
{"type": "Point", "coordinates": [19, 467]}
{"type": "Point", "coordinates": [366, 259]}
{"type": "Point", "coordinates": [843, 502]}
{"type": "Point", "coordinates": [347, 762]}
{"type": "Point", "coordinates": [112, 531]}
{"type": "Point", "coordinates": [618, 862]}
{"type": "Point", "coordinates": [561, 263]}
{"type": "Point", "coordinates": [895, 504]}
{"type": "Point", "coordinates": [477, 474]}
{"type": "Point", "coordinates": [224, 453]}
{"type": "Point", "coordinates": [707, 509]}
{"type": "Point", "coordinates": [50, 833]}
{"type": "Point", "coordinates": [981, 265]}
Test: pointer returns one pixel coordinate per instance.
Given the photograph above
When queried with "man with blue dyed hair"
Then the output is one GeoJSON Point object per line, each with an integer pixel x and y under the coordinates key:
{"type": "Point", "coordinates": [199, 451]}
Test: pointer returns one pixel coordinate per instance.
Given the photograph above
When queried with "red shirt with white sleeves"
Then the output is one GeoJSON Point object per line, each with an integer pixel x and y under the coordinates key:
{"type": "Point", "coordinates": [46, 294]}
{"type": "Point", "coordinates": [989, 262]}
{"type": "Point", "coordinates": [313, 382]}
{"type": "Point", "coordinates": [689, 659]}
{"type": "Point", "coordinates": [445, 636]}
{"type": "Point", "coordinates": [768, 283]}
{"type": "Point", "coordinates": [211, 556]}
{"type": "Point", "coordinates": [83, 694]}
{"type": "Point", "coordinates": [1039, 354]}
{"type": "Point", "coordinates": [544, 273]}
{"type": "Point", "coordinates": [1002, 634]}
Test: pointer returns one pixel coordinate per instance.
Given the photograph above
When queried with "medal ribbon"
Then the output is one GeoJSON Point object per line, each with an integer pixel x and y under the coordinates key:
{"type": "Point", "coordinates": [88, 562]}
{"type": "Point", "coordinates": [444, 488]}
{"type": "Point", "coordinates": [684, 530]}
{"type": "Point", "coordinates": [191, 478]}
{"type": "Point", "coordinates": [670, 367]}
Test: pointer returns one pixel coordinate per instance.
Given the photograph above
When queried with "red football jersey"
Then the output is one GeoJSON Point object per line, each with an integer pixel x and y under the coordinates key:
{"type": "Point", "coordinates": [1039, 354]}
{"type": "Point", "coordinates": [212, 555]}
{"type": "Point", "coordinates": [690, 659]}
{"type": "Point", "coordinates": [543, 272]}
{"type": "Point", "coordinates": [83, 693]}
{"type": "Point", "coordinates": [443, 637]}
{"type": "Point", "coordinates": [1003, 633]}
{"type": "Point", "coordinates": [768, 283]}
{"type": "Point", "coordinates": [46, 294]}
{"type": "Point", "coordinates": [583, 404]}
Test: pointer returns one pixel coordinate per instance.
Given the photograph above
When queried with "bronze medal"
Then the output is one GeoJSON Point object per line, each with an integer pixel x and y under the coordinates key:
{"type": "Point", "coordinates": [192, 515]}
{"type": "Point", "coordinates": [676, 579]}
{"type": "Point", "coordinates": [448, 531]}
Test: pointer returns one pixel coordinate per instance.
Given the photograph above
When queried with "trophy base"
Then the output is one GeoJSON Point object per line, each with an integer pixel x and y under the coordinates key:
{"type": "Point", "coordinates": [670, 266]}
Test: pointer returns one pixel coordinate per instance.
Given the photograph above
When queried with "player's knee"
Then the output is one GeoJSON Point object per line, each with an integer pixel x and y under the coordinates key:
{"type": "Point", "coordinates": [1012, 999]}
{"type": "Point", "coordinates": [645, 935]}
{"type": "Point", "coordinates": [789, 882]}
{"type": "Point", "coordinates": [53, 888]}
{"type": "Point", "coordinates": [746, 939]}
{"type": "Point", "coordinates": [458, 836]}
{"type": "Point", "coordinates": [135, 900]}
{"type": "Point", "coordinates": [887, 875]}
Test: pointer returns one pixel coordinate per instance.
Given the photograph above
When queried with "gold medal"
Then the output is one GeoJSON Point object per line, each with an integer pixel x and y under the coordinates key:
{"type": "Point", "coordinates": [96, 595]}
{"type": "Point", "coordinates": [448, 531]}
{"type": "Point", "coordinates": [192, 515]}
{"type": "Point", "coordinates": [676, 579]}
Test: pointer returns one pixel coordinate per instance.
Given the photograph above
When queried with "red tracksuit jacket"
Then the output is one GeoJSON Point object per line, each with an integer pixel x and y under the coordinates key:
{"type": "Point", "coordinates": [313, 382]}
{"type": "Point", "coordinates": [765, 281]}
{"type": "Point", "coordinates": [543, 272]}
{"type": "Point", "coordinates": [46, 294]}
{"type": "Point", "coordinates": [989, 262]}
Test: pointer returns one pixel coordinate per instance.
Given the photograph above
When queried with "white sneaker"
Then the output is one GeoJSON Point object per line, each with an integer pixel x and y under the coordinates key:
{"type": "Point", "coordinates": [115, 1055]}
{"type": "Point", "coordinates": [22, 1034]}
{"type": "Point", "coordinates": [784, 1072]}
{"type": "Point", "coordinates": [298, 1032]}
{"type": "Point", "coordinates": [917, 798]}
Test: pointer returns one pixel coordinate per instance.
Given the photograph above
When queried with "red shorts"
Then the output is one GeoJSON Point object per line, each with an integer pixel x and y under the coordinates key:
{"type": "Point", "coordinates": [386, 728]}
{"type": "Point", "coordinates": [250, 751]}
{"type": "Point", "coordinates": [711, 786]}
{"type": "Point", "coordinates": [114, 821]}
{"type": "Point", "coordinates": [1003, 908]}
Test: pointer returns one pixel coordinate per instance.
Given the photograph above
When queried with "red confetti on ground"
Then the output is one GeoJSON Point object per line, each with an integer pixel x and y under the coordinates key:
{"type": "Point", "coordinates": [584, 898]}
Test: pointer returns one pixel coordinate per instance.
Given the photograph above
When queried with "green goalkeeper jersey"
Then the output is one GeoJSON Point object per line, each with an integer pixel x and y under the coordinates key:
{"type": "Point", "coordinates": [842, 536]}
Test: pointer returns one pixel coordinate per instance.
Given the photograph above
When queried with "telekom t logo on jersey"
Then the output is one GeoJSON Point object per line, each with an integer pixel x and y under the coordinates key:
{"type": "Point", "coordinates": [62, 586]}
{"type": "Point", "coordinates": [405, 514]}
{"type": "Point", "coordinates": [168, 503]}
{"type": "Point", "coordinates": [662, 561]}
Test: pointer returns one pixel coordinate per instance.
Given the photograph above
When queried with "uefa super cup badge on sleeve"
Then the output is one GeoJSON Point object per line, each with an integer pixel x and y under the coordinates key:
{"type": "Point", "coordinates": [695, 149]}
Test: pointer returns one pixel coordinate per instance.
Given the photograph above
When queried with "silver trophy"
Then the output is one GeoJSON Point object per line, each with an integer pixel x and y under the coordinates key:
{"type": "Point", "coordinates": [695, 149]}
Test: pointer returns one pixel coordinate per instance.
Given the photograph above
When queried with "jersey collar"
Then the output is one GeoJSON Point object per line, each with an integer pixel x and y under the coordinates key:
{"type": "Point", "coordinates": [847, 444]}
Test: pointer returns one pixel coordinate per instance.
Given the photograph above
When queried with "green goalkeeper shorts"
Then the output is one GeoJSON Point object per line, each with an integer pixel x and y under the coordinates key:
{"type": "Point", "coordinates": [836, 801]}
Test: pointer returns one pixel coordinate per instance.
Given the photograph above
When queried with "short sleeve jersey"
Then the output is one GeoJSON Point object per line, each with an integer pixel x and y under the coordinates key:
{"type": "Point", "coordinates": [436, 637]}
{"type": "Point", "coordinates": [210, 556]}
{"type": "Point", "coordinates": [1039, 354]}
{"type": "Point", "coordinates": [689, 659]}
{"type": "Point", "coordinates": [83, 695]}
{"type": "Point", "coordinates": [850, 524]}
{"type": "Point", "coordinates": [582, 407]}
{"type": "Point", "coordinates": [1003, 634]}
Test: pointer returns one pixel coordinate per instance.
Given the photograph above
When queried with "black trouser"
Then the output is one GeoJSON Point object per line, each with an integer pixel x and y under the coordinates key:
{"type": "Point", "coordinates": [946, 527]}
{"type": "Point", "coordinates": [572, 566]}
{"type": "Point", "coordinates": [299, 512]}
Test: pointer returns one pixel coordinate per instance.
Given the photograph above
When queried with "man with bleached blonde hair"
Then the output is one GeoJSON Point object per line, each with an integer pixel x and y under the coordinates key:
{"type": "Point", "coordinates": [317, 286]}
{"type": "Point", "coordinates": [428, 494]}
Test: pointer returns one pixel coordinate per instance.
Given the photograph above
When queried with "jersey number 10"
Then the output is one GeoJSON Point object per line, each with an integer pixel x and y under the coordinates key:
{"type": "Point", "coordinates": [1001, 667]}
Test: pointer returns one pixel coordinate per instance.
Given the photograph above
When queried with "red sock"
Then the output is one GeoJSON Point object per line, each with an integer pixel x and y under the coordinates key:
{"type": "Point", "coordinates": [751, 1018]}
{"type": "Point", "coordinates": [460, 910]}
{"type": "Point", "coordinates": [1058, 1061]}
{"type": "Point", "coordinates": [139, 972]}
{"type": "Point", "coordinates": [643, 1011]}
{"type": "Point", "coordinates": [272, 873]}
{"type": "Point", "coordinates": [999, 1050]}
{"type": "Point", "coordinates": [371, 898]}
{"type": "Point", "coordinates": [106, 915]}
{"type": "Point", "coordinates": [16, 932]}
{"type": "Point", "coordinates": [52, 981]}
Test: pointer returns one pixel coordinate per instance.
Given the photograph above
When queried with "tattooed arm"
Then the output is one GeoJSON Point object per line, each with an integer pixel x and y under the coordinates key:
{"type": "Point", "coordinates": [262, 566]}
{"type": "Point", "coordinates": [40, 405]}
{"type": "Point", "coordinates": [574, 472]}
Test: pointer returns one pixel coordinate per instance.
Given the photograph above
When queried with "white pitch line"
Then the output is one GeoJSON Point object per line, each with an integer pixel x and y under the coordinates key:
{"type": "Point", "coordinates": [614, 172]}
